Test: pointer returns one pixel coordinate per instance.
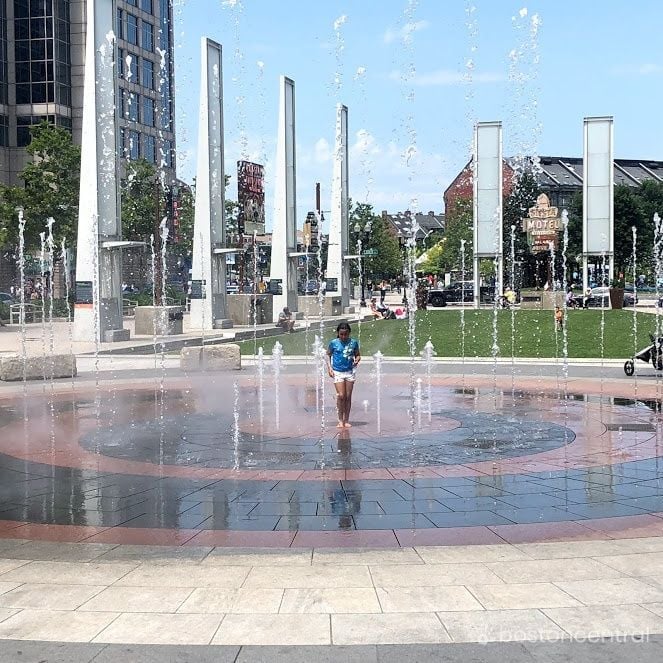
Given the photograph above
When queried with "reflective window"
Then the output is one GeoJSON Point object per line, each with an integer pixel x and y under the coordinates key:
{"type": "Point", "coordinates": [131, 111]}
{"type": "Point", "coordinates": [147, 74]}
{"type": "Point", "coordinates": [4, 131]}
{"type": "Point", "coordinates": [147, 36]}
{"type": "Point", "coordinates": [167, 154]}
{"type": "Point", "coordinates": [148, 112]}
{"type": "Point", "coordinates": [133, 149]}
{"type": "Point", "coordinates": [132, 30]}
{"type": "Point", "coordinates": [41, 52]}
{"type": "Point", "coordinates": [150, 148]}
{"type": "Point", "coordinates": [146, 6]}
{"type": "Point", "coordinates": [119, 24]}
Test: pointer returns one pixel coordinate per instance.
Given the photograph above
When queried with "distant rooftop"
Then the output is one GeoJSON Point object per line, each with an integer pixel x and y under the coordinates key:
{"type": "Point", "coordinates": [402, 222]}
{"type": "Point", "coordinates": [567, 172]}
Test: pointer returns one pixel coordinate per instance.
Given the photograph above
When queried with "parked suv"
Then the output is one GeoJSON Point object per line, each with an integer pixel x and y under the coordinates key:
{"type": "Point", "coordinates": [454, 292]}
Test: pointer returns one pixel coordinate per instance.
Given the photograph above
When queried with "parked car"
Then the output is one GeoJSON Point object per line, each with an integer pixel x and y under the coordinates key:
{"type": "Point", "coordinates": [6, 298]}
{"type": "Point", "coordinates": [460, 290]}
{"type": "Point", "coordinates": [600, 297]}
{"type": "Point", "coordinates": [454, 292]}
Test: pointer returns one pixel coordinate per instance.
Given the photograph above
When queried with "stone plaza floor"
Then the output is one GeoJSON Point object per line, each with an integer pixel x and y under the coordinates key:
{"type": "Point", "coordinates": [521, 506]}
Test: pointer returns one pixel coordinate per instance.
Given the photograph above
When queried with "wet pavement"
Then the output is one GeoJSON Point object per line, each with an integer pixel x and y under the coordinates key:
{"type": "Point", "coordinates": [191, 459]}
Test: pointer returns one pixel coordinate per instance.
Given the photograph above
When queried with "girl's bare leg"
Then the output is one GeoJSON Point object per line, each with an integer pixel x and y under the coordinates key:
{"type": "Point", "coordinates": [340, 402]}
{"type": "Point", "coordinates": [349, 386]}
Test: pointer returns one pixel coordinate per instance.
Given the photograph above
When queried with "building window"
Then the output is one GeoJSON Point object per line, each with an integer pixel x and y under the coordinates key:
{"type": "Point", "coordinates": [147, 36]}
{"type": "Point", "coordinates": [119, 24]}
{"type": "Point", "coordinates": [148, 111]}
{"type": "Point", "coordinates": [131, 112]}
{"type": "Point", "coordinates": [134, 145]}
{"type": "Point", "coordinates": [133, 3]}
{"type": "Point", "coordinates": [131, 68]}
{"type": "Point", "coordinates": [146, 6]}
{"type": "Point", "coordinates": [132, 29]}
{"type": "Point", "coordinates": [24, 122]}
{"type": "Point", "coordinates": [147, 74]}
{"type": "Point", "coordinates": [167, 154]}
{"type": "Point", "coordinates": [41, 51]}
{"type": "Point", "coordinates": [4, 131]}
{"type": "Point", "coordinates": [149, 149]}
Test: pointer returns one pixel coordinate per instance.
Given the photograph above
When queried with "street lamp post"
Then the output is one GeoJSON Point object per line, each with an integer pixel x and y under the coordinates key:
{"type": "Point", "coordinates": [363, 235]}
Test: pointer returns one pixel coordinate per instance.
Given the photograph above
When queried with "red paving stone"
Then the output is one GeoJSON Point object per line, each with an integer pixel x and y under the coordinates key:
{"type": "Point", "coordinates": [447, 536]}
{"type": "Point", "coordinates": [540, 532]}
{"type": "Point", "coordinates": [352, 539]}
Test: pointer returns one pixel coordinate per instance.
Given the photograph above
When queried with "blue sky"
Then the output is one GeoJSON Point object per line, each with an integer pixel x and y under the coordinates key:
{"type": "Point", "coordinates": [415, 76]}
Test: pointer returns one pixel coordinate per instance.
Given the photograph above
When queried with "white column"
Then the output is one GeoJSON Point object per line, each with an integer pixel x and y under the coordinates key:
{"type": "Point", "coordinates": [487, 209]}
{"type": "Point", "coordinates": [98, 305]}
{"type": "Point", "coordinates": [337, 267]}
{"type": "Point", "coordinates": [284, 233]}
{"type": "Point", "coordinates": [208, 271]}
{"type": "Point", "coordinates": [598, 221]}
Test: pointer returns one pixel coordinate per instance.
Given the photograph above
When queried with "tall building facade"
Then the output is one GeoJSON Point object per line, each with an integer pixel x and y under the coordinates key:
{"type": "Point", "coordinates": [42, 51]}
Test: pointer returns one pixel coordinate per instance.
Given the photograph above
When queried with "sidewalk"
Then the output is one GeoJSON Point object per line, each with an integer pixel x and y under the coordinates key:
{"type": "Point", "coordinates": [558, 592]}
{"type": "Point", "coordinates": [40, 338]}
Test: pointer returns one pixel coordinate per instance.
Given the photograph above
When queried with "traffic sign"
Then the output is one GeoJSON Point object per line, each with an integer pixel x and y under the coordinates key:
{"type": "Point", "coordinates": [369, 253]}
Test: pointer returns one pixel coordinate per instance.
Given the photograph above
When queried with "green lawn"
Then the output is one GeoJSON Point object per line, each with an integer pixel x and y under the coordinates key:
{"type": "Point", "coordinates": [533, 334]}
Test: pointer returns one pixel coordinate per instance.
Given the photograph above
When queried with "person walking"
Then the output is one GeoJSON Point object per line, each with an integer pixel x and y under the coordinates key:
{"type": "Point", "coordinates": [383, 291]}
{"type": "Point", "coordinates": [559, 318]}
{"type": "Point", "coordinates": [343, 356]}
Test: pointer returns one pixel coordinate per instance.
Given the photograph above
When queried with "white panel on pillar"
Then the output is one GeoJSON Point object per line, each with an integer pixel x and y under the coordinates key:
{"type": "Point", "coordinates": [98, 307]}
{"type": "Point", "coordinates": [487, 209]}
{"type": "Point", "coordinates": [597, 191]}
{"type": "Point", "coordinates": [284, 232]}
{"type": "Point", "coordinates": [208, 271]}
{"type": "Point", "coordinates": [338, 268]}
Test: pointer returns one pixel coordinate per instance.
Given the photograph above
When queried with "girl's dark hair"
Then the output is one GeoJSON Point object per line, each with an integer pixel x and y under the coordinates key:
{"type": "Point", "coordinates": [343, 326]}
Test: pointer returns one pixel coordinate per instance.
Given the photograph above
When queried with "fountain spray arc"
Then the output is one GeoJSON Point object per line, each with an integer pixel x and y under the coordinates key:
{"type": "Point", "coordinates": [98, 308]}
{"type": "Point", "coordinates": [338, 265]}
{"type": "Point", "coordinates": [284, 234]}
{"type": "Point", "coordinates": [487, 210]}
{"type": "Point", "coordinates": [208, 272]}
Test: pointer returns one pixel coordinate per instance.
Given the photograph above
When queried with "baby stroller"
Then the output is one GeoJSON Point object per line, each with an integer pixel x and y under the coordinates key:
{"type": "Point", "coordinates": [652, 353]}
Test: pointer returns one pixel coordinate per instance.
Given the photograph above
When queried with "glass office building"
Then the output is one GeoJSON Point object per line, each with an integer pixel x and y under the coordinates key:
{"type": "Point", "coordinates": [42, 50]}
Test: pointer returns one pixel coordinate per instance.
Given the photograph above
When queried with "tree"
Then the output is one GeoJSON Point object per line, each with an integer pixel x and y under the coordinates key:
{"type": "Point", "coordinates": [141, 191]}
{"type": "Point", "coordinates": [51, 187]}
{"type": "Point", "coordinates": [388, 263]}
{"type": "Point", "coordinates": [523, 196]}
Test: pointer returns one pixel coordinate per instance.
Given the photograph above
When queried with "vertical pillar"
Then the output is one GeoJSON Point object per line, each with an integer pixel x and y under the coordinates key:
{"type": "Point", "coordinates": [337, 267]}
{"type": "Point", "coordinates": [598, 221]}
{"type": "Point", "coordinates": [208, 271]}
{"type": "Point", "coordinates": [487, 209]}
{"type": "Point", "coordinates": [98, 307]}
{"type": "Point", "coordinates": [284, 233]}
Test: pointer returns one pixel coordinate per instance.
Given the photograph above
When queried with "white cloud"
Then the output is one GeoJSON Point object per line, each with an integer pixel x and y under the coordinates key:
{"type": "Point", "coordinates": [322, 151]}
{"type": "Point", "coordinates": [405, 32]}
{"type": "Point", "coordinates": [646, 69]}
{"type": "Point", "coordinates": [443, 77]}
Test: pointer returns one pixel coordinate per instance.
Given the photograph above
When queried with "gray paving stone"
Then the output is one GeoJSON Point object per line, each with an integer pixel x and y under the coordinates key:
{"type": "Point", "coordinates": [21, 651]}
{"type": "Point", "coordinates": [507, 652]}
{"type": "Point", "coordinates": [319, 654]}
{"type": "Point", "coordinates": [646, 650]}
{"type": "Point", "coordinates": [166, 654]}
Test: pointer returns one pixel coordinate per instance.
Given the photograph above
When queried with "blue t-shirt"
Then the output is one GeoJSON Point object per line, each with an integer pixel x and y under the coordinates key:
{"type": "Point", "coordinates": [342, 354]}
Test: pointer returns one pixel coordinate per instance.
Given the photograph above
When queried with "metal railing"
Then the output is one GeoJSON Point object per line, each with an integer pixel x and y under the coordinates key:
{"type": "Point", "coordinates": [25, 313]}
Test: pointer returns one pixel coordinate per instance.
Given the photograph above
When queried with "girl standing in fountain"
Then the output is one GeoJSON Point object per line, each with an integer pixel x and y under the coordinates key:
{"type": "Point", "coordinates": [342, 357]}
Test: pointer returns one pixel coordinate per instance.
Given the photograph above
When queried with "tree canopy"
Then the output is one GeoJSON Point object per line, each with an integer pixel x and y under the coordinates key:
{"type": "Point", "coordinates": [51, 187]}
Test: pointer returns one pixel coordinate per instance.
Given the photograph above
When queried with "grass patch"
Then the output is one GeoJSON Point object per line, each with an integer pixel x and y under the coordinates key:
{"type": "Point", "coordinates": [533, 334]}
